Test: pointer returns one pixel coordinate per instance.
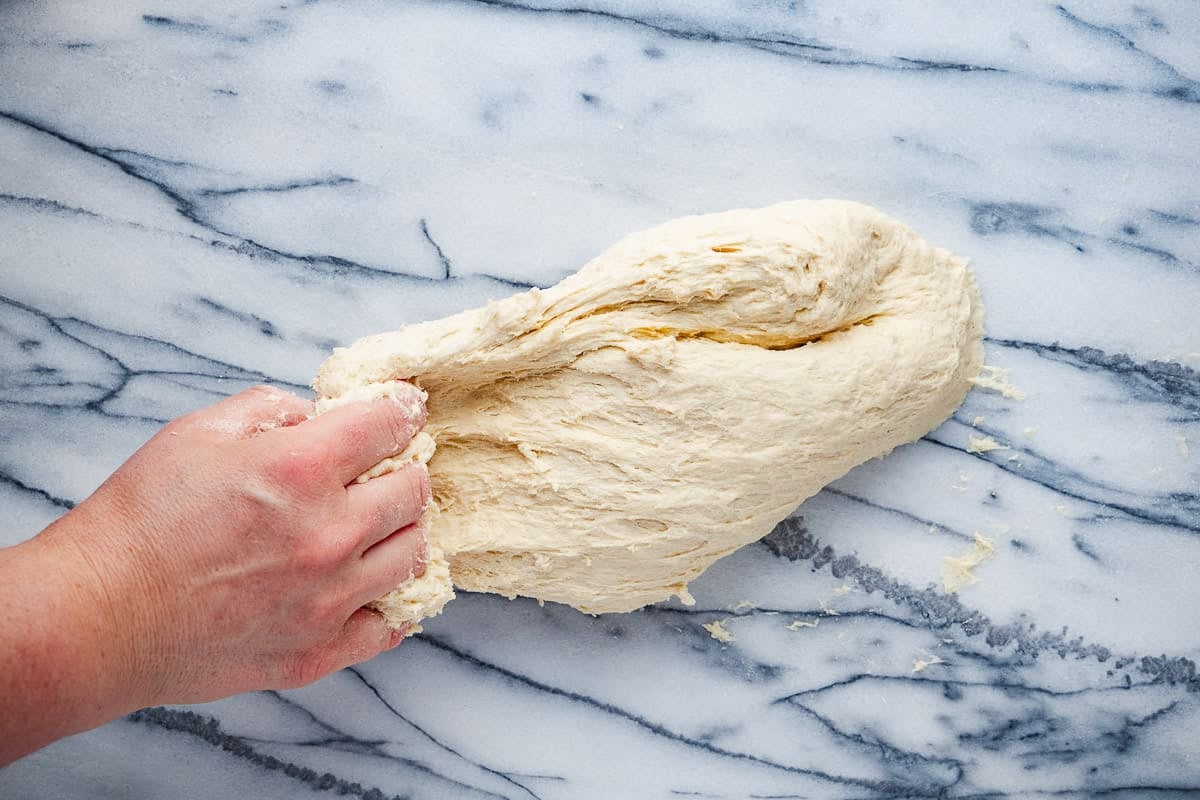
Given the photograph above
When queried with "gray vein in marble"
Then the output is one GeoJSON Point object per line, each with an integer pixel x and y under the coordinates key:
{"type": "Point", "coordinates": [265, 27]}
{"type": "Point", "coordinates": [100, 342]}
{"type": "Point", "coordinates": [445, 262]}
{"type": "Point", "coordinates": [59, 502]}
{"type": "Point", "coordinates": [256, 749]}
{"type": "Point", "coordinates": [1176, 86]}
{"type": "Point", "coordinates": [193, 210]}
{"type": "Point", "coordinates": [1156, 381]}
{"type": "Point", "coordinates": [208, 729]}
{"type": "Point", "coordinates": [1173, 85]}
{"type": "Point", "coordinates": [1177, 509]}
{"type": "Point", "coordinates": [900, 513]}
{"type": "Point", "coordinates": [941, 611]}
{"type": "Point", "coordinates": [506, 777]}
{"type": "Point", "coordinates": [1006, 217]}
{"type": "Point", "coordinates": [1159, 382]}
{"type": "Point", "coordinates": [291, 186]}
{"type": "Point", "coordinates": [639, 721]}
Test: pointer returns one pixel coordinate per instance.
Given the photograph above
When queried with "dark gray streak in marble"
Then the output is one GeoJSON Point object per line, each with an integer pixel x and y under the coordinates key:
{"type": "Point", "coordinates": [46, 205]}
{"type": "Point", "coordinates": [89, 336]}
{"type": "Point", "coordinates": [779, 44]}
{"type": "Point", "coordinates": [905, 515]}
{"type": "Point", "coordinates": [940, 611]}
{"type": "Point", "coordinates": [264, 326]}
{"type": "Point", "coordinates": [250, 749]}
{"type": "Point", "coordinates": [510, 779]}
{"type": "Point", "coordinates": [196, 28]}
{"type": "Point", "coordinates": [291, 186]}
{"type": "Point", "coordinates": [1080, 543]}
{"type": "Point", "coordinates": [990, 218]}
{"type": "Point", "coordinates": [54, 500]}
{"type": "Point", "coordinates": [208, 729]}
{"type": "Point", "coordinates": [1177, 510]}
{"type": "Point", "coordinates": [437, 248]}
{"type": "Point", "coordinates": [912, 774]}
{"type": "Point", "coordinates": [1153, 381]}
{"type": "Point", "coordinates": [1175, 86]}
{"type": "Point", "coordinates": [1026, 218]}
{"type": "Point", "coordinates": [193, 211]}
{"type": "Point", "coordinates": [1173, 218]}
{"type": "Point", "coordinates": [643, 723]}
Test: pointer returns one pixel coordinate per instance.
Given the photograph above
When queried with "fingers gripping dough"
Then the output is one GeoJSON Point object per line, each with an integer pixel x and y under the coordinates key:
{"type": "Point", "coordinates": [602, 442]}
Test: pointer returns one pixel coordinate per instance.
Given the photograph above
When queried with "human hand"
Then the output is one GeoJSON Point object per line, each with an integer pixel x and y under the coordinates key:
{"type": "Point", "coordinates": [234, 551]}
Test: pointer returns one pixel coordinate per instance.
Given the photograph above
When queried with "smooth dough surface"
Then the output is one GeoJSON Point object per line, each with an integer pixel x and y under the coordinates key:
{"type": "Point", "coordinates": [602, 442]}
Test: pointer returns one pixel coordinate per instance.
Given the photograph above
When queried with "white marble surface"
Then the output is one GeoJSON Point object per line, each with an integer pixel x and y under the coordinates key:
{"type": "Point", "coordinates": [201, 194]}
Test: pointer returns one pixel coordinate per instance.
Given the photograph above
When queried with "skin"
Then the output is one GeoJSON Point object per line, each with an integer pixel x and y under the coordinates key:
{"type": "Point", "coordinates": [232, 552]}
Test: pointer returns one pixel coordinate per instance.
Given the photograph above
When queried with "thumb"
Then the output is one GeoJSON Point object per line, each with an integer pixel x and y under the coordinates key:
{"type": "Point", "coordinates": [363, 636]}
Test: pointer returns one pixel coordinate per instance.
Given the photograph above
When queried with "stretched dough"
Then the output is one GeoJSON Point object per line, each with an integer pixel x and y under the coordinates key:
{"type": "Point", "coordinates": [602, 442]}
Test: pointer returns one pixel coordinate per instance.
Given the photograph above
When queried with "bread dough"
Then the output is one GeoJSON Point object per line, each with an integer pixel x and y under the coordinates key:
{"type": "Point", "coordinates": [602, 442]}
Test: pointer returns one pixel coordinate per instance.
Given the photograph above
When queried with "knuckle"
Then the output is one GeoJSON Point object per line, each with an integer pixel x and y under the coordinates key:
{"type": "Point", "coordinates": [325, 550]}
{"type": "Point", "coordinates": [320, 612]}
{"type": "Point", "coordinates": [311, 556]}
{"type": "Point", "coordinates": [401, 416]}
{"type": "Point", "coordinates": [301, 472]}
{"type": "Point", "coordinates": [340, 543]}
{"type": "Point", "coordinates": [307, 558]}
{"type": "Point", "coordinates": [299, 466]}
{"type": "Point", "coordinates": [178, 425]}
{"type": "Point", "coordinates": [261, 390]}
{"type": "Point", "coordinates": [310, 666]}
{"type": "Point", "coordinates": [420, 552]}
{"type": "Point", "coordinates": [182, 426]}
{"type": "Point", "coordinates": [395, 425]}
{"type": "Point", "coordinates": [422, 486]}
{"type": "Point", "coordinates": [410, 561]}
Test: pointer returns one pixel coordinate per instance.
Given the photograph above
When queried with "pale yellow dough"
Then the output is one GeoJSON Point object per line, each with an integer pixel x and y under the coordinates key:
{"type": "Point", "coordinates": [602, 442]}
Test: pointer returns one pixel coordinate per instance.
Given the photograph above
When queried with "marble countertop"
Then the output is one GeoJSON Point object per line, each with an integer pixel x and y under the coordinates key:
{"type": "Point", "coordinates": [200, 195]}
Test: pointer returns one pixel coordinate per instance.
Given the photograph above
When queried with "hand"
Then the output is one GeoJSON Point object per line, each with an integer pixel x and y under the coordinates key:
{"type": "Point", "coordinates": [232, 552]}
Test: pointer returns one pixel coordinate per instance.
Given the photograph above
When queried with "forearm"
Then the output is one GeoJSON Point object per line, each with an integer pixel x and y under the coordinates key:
{"type": "Point", "coordinates": [62, 666]}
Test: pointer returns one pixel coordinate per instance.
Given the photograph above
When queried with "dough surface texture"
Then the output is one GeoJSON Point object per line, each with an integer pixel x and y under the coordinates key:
{"type": "Point", "coordinates": [602, 442]}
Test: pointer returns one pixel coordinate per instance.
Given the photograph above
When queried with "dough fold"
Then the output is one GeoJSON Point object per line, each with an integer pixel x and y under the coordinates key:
{"type": "Point", "coordinates": [602, 442]}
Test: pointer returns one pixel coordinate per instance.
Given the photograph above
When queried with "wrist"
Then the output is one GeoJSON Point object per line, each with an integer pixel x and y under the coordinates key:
{"type": "Point", "coordinates": [91, 617]}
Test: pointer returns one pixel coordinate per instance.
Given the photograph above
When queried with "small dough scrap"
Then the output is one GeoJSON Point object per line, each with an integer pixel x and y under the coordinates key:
{"type": "Point", "coordinates": [995, 379]}
{"type": "Point", "coordinates": [922, 664]}
{"type": "Point", "coordinates": [957, 571]}
{"type": "Point", "coordinates": [717, 630]}
{"type": "Point", "coordinates": [602, 442]}
{"type": "Point", "coordinates": [983, 444]}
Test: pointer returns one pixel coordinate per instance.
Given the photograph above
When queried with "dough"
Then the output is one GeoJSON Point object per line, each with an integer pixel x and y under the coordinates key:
{"type": "Point", "coordinates": [602, 442]}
